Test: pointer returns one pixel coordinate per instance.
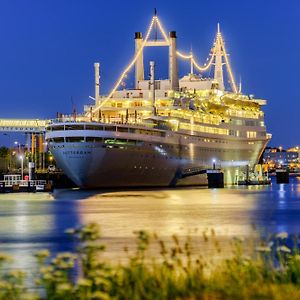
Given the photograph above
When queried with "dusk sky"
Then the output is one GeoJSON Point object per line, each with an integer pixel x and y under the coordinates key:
{"type": "Point", "coordinates": [48, 48]}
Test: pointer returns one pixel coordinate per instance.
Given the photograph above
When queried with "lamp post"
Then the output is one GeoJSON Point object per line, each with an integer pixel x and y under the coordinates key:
{"type": "Point", "coordinates": [22, 165]}
{"type": "Point", "coordinates": [19, 146]}
{"type": "Point", "coordinates": [214, 164]}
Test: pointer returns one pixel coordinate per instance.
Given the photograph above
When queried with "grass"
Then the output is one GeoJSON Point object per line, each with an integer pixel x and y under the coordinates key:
{"type": "Point", "coordinates": [256, 270]}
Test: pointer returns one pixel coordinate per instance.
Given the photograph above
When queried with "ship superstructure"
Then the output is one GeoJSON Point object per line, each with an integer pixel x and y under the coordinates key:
{"type": "Point", "coordinates": [159, 131]}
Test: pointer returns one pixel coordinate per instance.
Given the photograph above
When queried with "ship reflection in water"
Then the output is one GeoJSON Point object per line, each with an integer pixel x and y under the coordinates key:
{"type": "Point", "coordinates": [30, 222]}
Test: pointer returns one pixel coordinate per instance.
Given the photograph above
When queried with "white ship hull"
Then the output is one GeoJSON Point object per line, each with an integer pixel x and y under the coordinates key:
{"type": "Point", "coordinates": [118, 159]}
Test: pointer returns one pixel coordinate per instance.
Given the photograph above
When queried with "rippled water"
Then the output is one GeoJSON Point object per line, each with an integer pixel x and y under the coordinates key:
{"type": "Point", "coordinates": [30, 222]}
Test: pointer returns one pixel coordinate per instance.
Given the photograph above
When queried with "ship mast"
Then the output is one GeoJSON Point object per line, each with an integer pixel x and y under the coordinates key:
{"type": "Point", "coordinates": [218, 72]}
{"type": "Point", "coordinates": [221, 58]}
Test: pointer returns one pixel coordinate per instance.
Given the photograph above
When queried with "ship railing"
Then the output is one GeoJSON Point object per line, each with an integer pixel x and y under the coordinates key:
{"type": "Point", "coordinates": [245, 114]}
{"type": "Point", "coordinates": [9, 183]}
{"type": "Point", "coordinates": [115, 121]}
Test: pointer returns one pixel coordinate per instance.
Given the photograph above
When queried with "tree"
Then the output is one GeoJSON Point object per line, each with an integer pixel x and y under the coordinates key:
{"type": "Point", "coordinates": [4, 152]}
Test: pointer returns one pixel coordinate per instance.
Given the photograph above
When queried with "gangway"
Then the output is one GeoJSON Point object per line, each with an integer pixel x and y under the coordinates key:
{"type": "Point", "coordinates": [192, 172]}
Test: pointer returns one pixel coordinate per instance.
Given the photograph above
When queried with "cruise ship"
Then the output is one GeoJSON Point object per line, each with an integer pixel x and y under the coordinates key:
{"type": "Point", "coordinates": [162, 132]}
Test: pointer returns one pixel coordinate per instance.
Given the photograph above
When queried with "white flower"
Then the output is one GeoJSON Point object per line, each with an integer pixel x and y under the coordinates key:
{"type": "Point", "coordinates": [284, 249]}
{"type": "Point", "coordinates": [282, 235]}
{"type": "Point", "coordinates": [263, 249]}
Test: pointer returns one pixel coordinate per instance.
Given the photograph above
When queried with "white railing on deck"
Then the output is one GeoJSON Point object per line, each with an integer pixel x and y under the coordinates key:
{"type": "Point", "coordinates": [23, 182]}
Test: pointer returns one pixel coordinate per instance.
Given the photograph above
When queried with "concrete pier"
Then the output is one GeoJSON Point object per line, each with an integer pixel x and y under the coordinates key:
{"type": "Point", "coordinates": [215, 178]}
{"type": "Point", "coordinates": [282, 176]}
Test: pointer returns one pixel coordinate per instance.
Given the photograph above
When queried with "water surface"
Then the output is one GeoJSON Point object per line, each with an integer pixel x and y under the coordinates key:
{"type": "Point", "coordinates": [29, 222]}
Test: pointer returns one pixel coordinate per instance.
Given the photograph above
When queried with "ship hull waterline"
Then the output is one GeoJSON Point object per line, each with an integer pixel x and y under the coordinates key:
{"type": "Point", "coordinates": [94, 165]}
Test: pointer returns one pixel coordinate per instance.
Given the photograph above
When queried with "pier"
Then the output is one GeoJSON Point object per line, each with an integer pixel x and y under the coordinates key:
{"type": "Point", "coordinates": [14, 183]}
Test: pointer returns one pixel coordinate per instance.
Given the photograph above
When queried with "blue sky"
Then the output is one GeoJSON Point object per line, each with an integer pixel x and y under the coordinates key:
{"type": "Point", "coordinates": [48, 48]}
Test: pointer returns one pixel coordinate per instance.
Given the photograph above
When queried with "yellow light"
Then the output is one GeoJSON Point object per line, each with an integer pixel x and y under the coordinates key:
{"type": "Point", "coordinates": [131, 64]}
{"type": "Point", "coordinates": [191, 57]}
{"type": "Point", "coordinates": [206, 67]}
{"type": "Point", "coordinates": [161, 29]}
{"type": "Point", "coordinates": [232, 80]}
{"type": "Point", "coordinates": [184, 56]}
{"type": "Point", "coordinates": [203, 68]}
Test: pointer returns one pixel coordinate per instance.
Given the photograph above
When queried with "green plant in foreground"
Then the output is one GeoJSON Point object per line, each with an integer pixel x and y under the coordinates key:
{"type": "Point", "coordinates": [157, 269]}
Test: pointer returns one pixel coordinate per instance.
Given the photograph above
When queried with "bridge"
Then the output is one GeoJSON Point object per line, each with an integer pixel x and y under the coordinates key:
{"type": "Point", "coordinates": [35, 131]}
{"type": "Point", "coordinates": [23, 125]}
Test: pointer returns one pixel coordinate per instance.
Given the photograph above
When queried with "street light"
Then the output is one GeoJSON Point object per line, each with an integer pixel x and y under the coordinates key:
{"type": "Point", "coordinates": [22, 165]}
{"type": "Point", "coordinates": [214, 164]}
{"type": "Point", "coordinates": [18, 145]}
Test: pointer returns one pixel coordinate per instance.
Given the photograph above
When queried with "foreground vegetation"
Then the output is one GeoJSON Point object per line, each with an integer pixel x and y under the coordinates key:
{"type": "Point", "coordinates": [253, 271]}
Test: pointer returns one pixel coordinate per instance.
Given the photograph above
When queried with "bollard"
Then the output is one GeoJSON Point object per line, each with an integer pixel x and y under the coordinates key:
{"type": "Point", "coordinates": [30, 187]}
{"type": "Point", "coordinates": [3, 187]}
{"type": "Point", "coordinates": [48, 187]}
{"type": "Point", "coordinates": [15, 188]}
{"type": "Point", "coordinates": [282, 176]}
{"type": "Point", "coordinates": [215, 178]}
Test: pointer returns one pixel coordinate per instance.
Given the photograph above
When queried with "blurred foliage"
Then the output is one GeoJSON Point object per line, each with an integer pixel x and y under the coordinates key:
{"type": "Point", "coordinates": [155, 269]}
{"type": "Point", "coordinates": [4, 152]}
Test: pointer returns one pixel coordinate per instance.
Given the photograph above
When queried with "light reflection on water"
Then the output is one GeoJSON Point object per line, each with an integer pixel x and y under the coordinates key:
{"type": "Point", "coordinates": [29, 222]}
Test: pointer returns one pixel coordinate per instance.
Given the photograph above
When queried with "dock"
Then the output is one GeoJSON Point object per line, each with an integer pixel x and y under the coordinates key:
{"type": "Point", "coordinates": [14, 183]}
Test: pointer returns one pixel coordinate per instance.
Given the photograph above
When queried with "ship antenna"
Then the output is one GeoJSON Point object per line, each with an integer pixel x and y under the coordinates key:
{"type": "Point", "coordinates": [152, 84]}
{"type": "Point", "coordinates": [155, 25]}
{"type": "Point", "coordinates": [191, 60]}
{"type": "Point", "coordinates": [240, 85]}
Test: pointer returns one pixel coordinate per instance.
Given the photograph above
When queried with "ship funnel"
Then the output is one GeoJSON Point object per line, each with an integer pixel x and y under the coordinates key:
{"type": "Point", "coordinates": [173, 68]}
{"type": "Point", "coordinates": [139, 64]}
{"type": "Point", "coordinates": [97, 81]}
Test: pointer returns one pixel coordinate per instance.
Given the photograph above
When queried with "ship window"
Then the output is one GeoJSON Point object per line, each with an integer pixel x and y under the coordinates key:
{"type": "Point", "coordinates": [251, 134]}
{"type": "Point", "coordinates": [120, 142]}
{"type": "Point", "coordinates": [109, 141]}
{"type": "Point", "coordinates": [131, 142]}
{"type": "Point", "coordinates": [74, 139]}
{"type": "Point", "coordinates": [74, 127]}
{"type": "Point", "coordinates": [110, 128]}
{"type": "Point", "coordinates": [58, 140]}
{"type": "Point", "coordinates": [93, 139]}
{"type": "Point", "coordinates": [122, 129]}
{"type": "Point", "coordinates": [261, 133]}
{"type": "Point", "coordinates": [137, 103]}
{"type": "Point", "coordinates": [93, 127]}
{"type": "Point", "coordinates": [56, 128]}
